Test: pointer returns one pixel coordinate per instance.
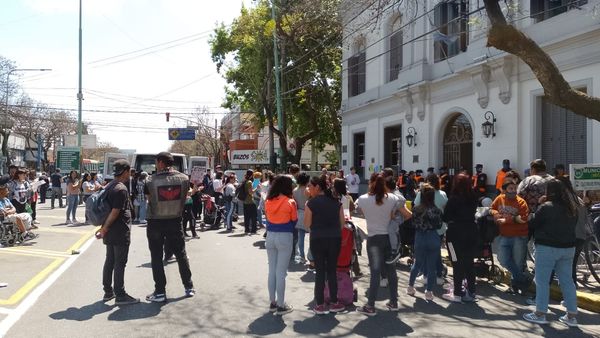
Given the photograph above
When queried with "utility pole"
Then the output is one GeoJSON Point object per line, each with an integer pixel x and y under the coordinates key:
{"type": "Point", "coordinates": [80, 94]}
{"type": "Point", "coordinates": [277, 83]}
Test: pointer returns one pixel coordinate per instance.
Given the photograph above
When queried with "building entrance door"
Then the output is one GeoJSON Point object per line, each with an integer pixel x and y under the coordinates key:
{"type": "Point", "coordinates": [458, 144]}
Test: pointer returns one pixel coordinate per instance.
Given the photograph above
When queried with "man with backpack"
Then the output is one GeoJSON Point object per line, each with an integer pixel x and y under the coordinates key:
{"type": "Point", "coordinates": [167, 191]}
{"type": "Point", "coordinates": [116, 235]}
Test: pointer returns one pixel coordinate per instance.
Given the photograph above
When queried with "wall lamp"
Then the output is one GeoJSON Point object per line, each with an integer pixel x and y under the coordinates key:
{"type": "Point", "coordinates": [411, 137]}
{"type": "Point", "coordinates": [489, 128]}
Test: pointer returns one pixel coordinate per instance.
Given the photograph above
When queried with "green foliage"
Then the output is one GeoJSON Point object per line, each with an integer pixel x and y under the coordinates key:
{"type": "Point", "coordinates": [309, 37]}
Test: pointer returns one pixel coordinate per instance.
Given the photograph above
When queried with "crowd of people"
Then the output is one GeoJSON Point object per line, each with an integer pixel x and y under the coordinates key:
{"type": "Point", "coordinates": [440, 208]}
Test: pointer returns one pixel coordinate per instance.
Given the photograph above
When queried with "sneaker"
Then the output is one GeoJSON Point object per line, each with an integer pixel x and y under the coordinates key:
{"type": "Point", "coordinates": [392, 306]}
{"type": "Point", "coordinates": [126, 300]}
{"type": "Point", "coordinates": [394, 257]}
{"type": "Point", "coordinates": [411, 291]}
{"type": "Point", "coordinates": [108, 296]}
{"type": "Point", "coordinates": [310, 268]}
{"type": "Point", "coordinates": [320, 309]}
{"type": "Point", "coordinates": [190, 292]}
{"type": "Point", "coordinates": [29, 236]}
{"type": "Point", "coordinates": [273, 307]}
{"type": "Point", "coordinates": [534, 318]}
{"type": "Point", "coordinates": [68, 221]}
{"type": "Point", "coordinates": [570, 322]}
{"type": "Point", "coordinates": [428, 295]}
{"type": "Point", "coordinates": [469, 298]}
{"type": "Point", "coordinates": [452, 298]}
{"type": "Point", "coordinates": [35, 221]}
{"type": "Point", "coordinates": [156, 297]}
{"type": "Point", "coordinates": [383, 283]}
{"type": "Point", "coordinates": [281, 310]}
{"type": "Point", "coordinates": [366, 310]}
{"type": "Point", "coordinates": [530, 301]}
{"type": "Point", "coordinates": [337, 307]}
{"type": "Point", "coordinates": [75, 221]}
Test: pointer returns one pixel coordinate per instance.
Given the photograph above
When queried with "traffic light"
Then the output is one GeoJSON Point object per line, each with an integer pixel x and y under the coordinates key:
{"type": "Point", "coordinates": [167, 115]}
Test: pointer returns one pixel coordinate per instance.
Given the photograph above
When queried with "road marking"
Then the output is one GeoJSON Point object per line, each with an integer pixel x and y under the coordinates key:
{"type": "Point", "coordinates": [33, 252]}
{"type": "Point", "coordinates": [82, 240]}
{"type": "Point", "coordinates": [30, 300]}
{"type": "Point", "coordinates": [5, 311]}
{"type": "Point", "coordinates": [60, 230]}
{"type": "Point", "coordinates": [32, 283]}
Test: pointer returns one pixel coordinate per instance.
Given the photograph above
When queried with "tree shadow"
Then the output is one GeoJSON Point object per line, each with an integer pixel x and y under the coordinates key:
{"type": "Point", "coordinates": [140, 310]}
{"type": "Point", "coordinates": [83, 313]}
{"type": "Point", "coordinates": [238, 235]}
{"type": "Point", "coordinates": [266, 324]}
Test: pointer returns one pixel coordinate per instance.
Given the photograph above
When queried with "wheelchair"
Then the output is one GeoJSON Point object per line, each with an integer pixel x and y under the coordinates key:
{"type": "Point", "coordinates": [9, 233]}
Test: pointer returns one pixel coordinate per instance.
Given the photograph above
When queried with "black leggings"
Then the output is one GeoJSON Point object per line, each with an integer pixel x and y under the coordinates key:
{"type": "Point", "coordinates": [462, 254]}
{"type": "Point", "coordinates": [325, 252]}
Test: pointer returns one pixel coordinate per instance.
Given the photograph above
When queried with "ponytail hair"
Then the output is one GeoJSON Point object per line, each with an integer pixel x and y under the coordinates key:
{"type": "Point", "coordinates": [321, 182]}
{"type": "Point", "coordinates": [377, 188]}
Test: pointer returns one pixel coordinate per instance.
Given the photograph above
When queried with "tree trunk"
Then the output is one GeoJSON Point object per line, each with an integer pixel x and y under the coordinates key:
{"type": "Point", "coordinates": [509, 39]}
{"type": "Point", "coordinates": [5, 134]}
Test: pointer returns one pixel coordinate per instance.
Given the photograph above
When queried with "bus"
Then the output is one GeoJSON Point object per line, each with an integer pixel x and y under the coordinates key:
{"type": "Point", "coordinates": [90, 166]}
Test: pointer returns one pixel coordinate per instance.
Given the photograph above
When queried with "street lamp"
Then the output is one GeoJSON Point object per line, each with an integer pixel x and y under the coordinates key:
{"type": "Point", "coordinates": [489, 128]}
{"type": "Point", "coordinates": [8, 123]}
{"type": "Point", "coordinates": [411, 137]}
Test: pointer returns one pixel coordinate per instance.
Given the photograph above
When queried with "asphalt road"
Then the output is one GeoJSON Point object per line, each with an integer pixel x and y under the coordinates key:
{"type": "Point", "coordinates": [229, 272]}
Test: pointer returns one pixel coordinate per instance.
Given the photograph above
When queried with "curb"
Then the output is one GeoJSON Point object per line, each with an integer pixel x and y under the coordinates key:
{"type": "Point", "coordinates": [585, 300]}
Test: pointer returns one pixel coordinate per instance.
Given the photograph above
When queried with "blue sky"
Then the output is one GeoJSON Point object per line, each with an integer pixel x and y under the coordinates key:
{"type": "Point", "coordinates": [176, 76]}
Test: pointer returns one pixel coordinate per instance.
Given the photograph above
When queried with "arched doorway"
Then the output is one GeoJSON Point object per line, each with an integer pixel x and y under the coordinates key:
{"type": "Point", "coordinates": [458, 144]}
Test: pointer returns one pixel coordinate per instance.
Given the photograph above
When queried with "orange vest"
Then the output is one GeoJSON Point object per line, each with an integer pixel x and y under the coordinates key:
{"type": "Point", "coordinates": [500, 178]}
{"type": "Point", "coordinates": [400, 183]}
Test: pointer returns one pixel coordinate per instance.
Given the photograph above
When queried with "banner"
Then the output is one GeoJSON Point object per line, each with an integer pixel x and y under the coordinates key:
{"type": "Point", "coordinates": [249, 157]}
{"type": "Point", "coordinates": [585, 176]}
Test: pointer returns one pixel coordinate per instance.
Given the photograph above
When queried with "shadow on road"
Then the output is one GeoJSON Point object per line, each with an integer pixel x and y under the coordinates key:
{"type": "Point", "coordinates": [266, 324]}
{"type": "Point", "coordinates": [381, 325]}
{"type": "Point", "coordinates": [83, 313]}
{"type": "Point", "coordinates": [316, 325]}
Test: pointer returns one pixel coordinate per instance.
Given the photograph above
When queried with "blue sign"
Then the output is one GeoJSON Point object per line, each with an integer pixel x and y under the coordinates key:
{"type": "Point", "coordinates": [179, 134]}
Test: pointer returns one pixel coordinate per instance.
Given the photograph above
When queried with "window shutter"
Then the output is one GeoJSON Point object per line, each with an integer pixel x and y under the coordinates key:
{"type": "Point", "coordinates": [395, 55]}
{"type": "Point", "coordinates": [361, 72]}
{"type": "Point", "coordinates": [438, 46]}
{"type": "Point", "coordinates": [352, 76]}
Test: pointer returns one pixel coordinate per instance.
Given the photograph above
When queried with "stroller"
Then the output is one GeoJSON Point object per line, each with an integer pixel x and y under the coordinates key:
{"type": "Point", "coordinates": [407, 240]}
{"type": "Point", "coordinates": [347, 292]}
{"type": "Point", "coordinates": [212, 213]}
{"type": "Point", "coordinates": [484, 261]}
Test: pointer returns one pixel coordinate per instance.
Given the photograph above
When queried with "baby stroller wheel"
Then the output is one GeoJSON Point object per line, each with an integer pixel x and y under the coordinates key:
{"type": "Point", "coordinates": [355, 295]}
{"type": "Point", "coordinates": [496, 274]}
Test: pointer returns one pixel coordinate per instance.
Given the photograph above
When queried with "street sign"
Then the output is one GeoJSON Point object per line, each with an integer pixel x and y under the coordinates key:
{"type": "Point", "coordinates": [180, 134]}
{"type": "Point", "coordinates": [68, 158]}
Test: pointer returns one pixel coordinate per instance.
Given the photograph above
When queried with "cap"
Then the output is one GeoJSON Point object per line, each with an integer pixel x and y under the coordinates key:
{"type": "Point", "coordinates": [120, 166]}
{"type": "Point", "coordinates": [419, 171]}
{"type": "Point", "coordinates": [430, 169]}
{"type": "Point", "coordinates": [165, 157]}
{"type": "Point", "coordinates": [505, 161]}
{"type": "Point", "coordinates": [479, 166]}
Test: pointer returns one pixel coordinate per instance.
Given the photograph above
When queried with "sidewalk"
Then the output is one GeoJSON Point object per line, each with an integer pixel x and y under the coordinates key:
{"type": "Point", "coordinates": [586, 299]}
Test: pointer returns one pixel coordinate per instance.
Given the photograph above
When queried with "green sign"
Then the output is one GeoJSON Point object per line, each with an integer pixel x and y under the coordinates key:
{"type": "Point", "coordinates": [101, 167]}
{"type": "Point", "coordinates": [68, 158]}
{"type": "Point", "coordinates": [585, 176]}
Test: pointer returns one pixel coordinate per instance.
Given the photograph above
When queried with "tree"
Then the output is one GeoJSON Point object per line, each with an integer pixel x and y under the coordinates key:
{"type": "Point", "coordinates": [207, 141]}
{"type": "Point", "coordinates": [101, 149]}
{"type": "Point", "coordinates": [6, 122]}
{"type": "Point", "coordinates": [506, 37]}
{"type": "Point", "coordinates": [309, 39]}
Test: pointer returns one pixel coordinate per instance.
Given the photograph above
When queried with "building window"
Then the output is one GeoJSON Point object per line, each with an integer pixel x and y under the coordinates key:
{"type": "Point", "coordinates": [458, 144]}
{"type": "Point", "coordinates": [392, 147]}
{"type": "Point", "coordinates": [564, 135]}
{"type": "Point", "coordinates": [395, 50]}
{"type": "Point", "coordinates": [452, 37]}
{"type": "Point", "coordinates": [545, 9]}
{"type": "Point", "coordinates": [357, 72]}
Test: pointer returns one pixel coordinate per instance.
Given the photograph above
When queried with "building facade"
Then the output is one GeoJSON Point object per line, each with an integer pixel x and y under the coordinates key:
{"type": "Point", "coordinates": [419, 83]}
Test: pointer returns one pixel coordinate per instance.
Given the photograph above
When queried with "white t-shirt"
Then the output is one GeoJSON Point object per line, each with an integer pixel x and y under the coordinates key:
{"type": "Point", "coordinates": [352, 181]}
{"type": "Point", "coordinates": [218, 185]}
{"type": "Point", "coordinates": [378, 217]}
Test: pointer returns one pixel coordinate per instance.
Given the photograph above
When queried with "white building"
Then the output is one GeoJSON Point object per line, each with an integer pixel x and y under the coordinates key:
{"type": "Point", "coordinates": [403, 77]}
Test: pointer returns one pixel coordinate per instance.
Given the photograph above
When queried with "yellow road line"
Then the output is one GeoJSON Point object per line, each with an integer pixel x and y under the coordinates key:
{"type": "Point", "coordinates": [31, 251]}
{"type": "Point", "coordinates": [82, 240]}
{"type": "Point", "coordinates": [32, 283]}
{"type": "Point", "coordinates": [60, 230]}
{"type": "Point", "coordinates": [31, 254]}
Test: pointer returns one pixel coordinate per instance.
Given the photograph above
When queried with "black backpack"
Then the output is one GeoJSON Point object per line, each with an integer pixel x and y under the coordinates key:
{"type": "Point", "coordinates": [240, 191]}
{"type": "Point", "coordinates": [97, 207]}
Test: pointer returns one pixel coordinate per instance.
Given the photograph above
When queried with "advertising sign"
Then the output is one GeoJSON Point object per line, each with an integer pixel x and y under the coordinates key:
{"type": "Point", "coordinates": [87, 141]}
{"type": "Point", "coordinates": [585, 176]}
{"type": "Point", "coordinates": [249, 157]}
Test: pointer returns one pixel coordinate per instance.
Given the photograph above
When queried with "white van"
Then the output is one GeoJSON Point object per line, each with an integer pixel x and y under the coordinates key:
{"type": "Point", "coordinates": [147, 162]}
{"type": "Point", "coordinates": [109, 161]}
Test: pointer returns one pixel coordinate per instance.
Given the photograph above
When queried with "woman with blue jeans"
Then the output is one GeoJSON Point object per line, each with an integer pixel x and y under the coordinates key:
{"type": "Point", "coordinates": [378, 207]}
{"type": "Point", "coordinates": [427, 219]}
{"type": "Point", "coordinates": [228, 197]}
{"type": "Point", "coordinates": [554, 227]}
{"type": "Point", "coordinates": [300, 196]}
{"type": "Point", "coordinates": [73, 184]}
{"type": "Point", "coordinates": [281, 211]}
